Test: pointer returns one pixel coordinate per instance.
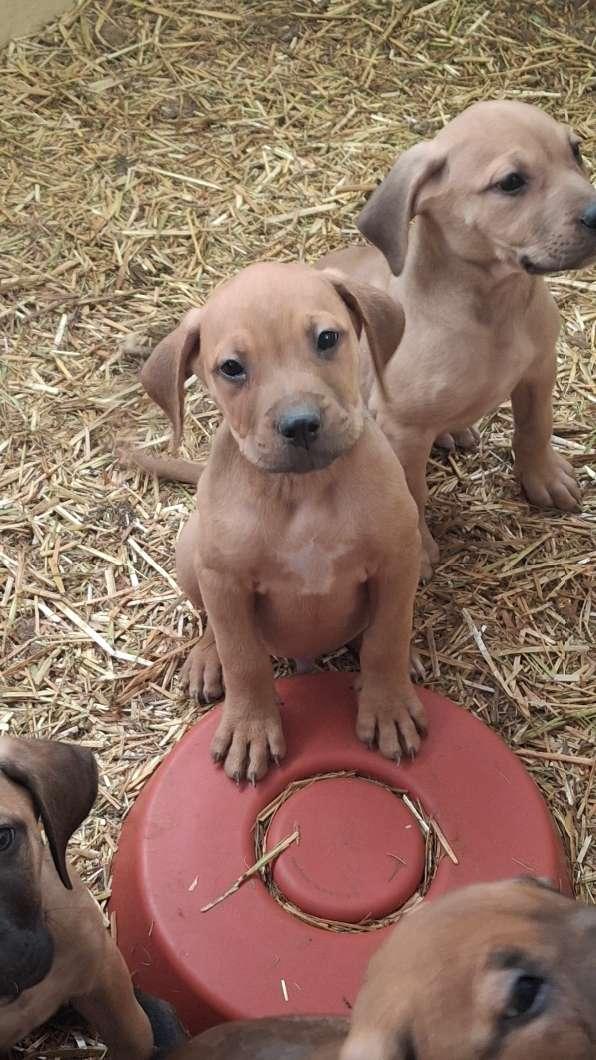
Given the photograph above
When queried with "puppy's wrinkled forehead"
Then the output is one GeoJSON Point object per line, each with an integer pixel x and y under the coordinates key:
{"type": "Point", "coordinates": [493, 128]}
{"type": "Point", "coordinates": [271, 303]}
{"type": "Point", "coordinates": [15, 801]}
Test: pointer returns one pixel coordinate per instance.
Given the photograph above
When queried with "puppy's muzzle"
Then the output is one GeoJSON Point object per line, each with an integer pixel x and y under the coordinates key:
{"type": "Point", "coordinates": [300, 425]}
{"type": "Point", "coordinates": [588, 217]}
{"type": "Point", "coordinates": [26, 956]}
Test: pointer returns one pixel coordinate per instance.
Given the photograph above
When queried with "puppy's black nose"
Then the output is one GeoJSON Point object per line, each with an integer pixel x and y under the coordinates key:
{"type": "Point", "coordinates": [300, 425]}
{"type": "Point", "coordinates": [588, 218]}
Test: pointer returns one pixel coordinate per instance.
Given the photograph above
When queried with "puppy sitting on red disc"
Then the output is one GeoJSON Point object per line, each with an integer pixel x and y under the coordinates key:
{"type": "Point", "coordinates": [499, 970]}
{"type": "Point", "coordinates": [369, 837]}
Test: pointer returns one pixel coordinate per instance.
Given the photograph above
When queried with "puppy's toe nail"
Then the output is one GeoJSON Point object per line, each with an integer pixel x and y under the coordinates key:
{"type": "Point", "coordinates": [397, 759]}
{"type": "Point", "coordinates": [276, 760]}
{"type": "Point", "coordinates": [237, 777]}
{"type": "Point", "coordinates": [411, 754]}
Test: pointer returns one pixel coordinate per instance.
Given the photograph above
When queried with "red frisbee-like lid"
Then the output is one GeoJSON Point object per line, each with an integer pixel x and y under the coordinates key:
{"type": "Point", "coordinates": [360, 854]}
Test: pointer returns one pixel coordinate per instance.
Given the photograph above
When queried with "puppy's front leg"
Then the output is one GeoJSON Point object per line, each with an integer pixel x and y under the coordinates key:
{"type": "Point", "coordinates": [250, 731]}
{"type": "Point", "coordinates": [389, 709]}
{"type": "Point", "coordinates": [546, 477]}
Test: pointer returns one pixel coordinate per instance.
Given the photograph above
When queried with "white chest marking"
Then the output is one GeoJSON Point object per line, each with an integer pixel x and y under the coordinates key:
{"type": "Point", "coordinates": [313, 567]}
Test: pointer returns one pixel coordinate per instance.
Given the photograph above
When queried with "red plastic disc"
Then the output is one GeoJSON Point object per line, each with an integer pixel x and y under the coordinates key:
{"type": "Point", "coordinates": [361, 853]}
{"type": "Point", "coordinates": [190, 836]}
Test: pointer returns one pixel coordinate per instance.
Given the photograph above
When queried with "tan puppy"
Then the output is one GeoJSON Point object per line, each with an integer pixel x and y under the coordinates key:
{"type": "Point", "coordinates": [54, 948]}
{"type": "Point", "coordinates": [502, 971]}
{"type": "Point", "coordinates": [305, 537]}
{"type": "Point", "coordinates": [500, 197]}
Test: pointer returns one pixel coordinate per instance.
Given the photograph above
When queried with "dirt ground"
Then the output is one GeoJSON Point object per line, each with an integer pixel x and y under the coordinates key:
{"type": "Point", "coordinates": [149, 150]}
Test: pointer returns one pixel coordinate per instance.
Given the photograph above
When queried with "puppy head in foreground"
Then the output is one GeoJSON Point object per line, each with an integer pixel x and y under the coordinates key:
{"type": "Point", "coordinates": [502, 971]}
{"type": "Point", "coordinates": [277, 347]}
{"type": "Point", "coordinates": [57, 783]}
{"type": "Point", "coordinates": [503, 182]}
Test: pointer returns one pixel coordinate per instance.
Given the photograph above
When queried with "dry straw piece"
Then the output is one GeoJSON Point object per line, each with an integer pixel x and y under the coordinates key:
{"type": "Point", "coordinates": [149, 149]}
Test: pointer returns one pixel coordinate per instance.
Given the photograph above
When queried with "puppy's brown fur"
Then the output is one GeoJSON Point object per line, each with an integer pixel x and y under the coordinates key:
{"type": "Point", "coordinates": [298, 545]}
{"type": "Point", "coordinates": [54, 947]}
{"type": "Point", "coordinates": [481, 325]}
{"type": "Point", "coordinates": [502, 971]}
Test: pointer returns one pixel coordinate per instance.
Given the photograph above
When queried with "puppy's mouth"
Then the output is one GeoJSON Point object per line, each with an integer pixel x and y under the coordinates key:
{"type": "Point", "coordinates": [279, 455]}
{"type": "Point", "coordinates": [301, 461]}
{"type": "Point", "coordinates": [539, 268]}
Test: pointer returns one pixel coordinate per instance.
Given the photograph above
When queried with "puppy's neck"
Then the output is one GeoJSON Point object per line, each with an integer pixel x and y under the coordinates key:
{"type": "Point", "coordinates": [434, 264]}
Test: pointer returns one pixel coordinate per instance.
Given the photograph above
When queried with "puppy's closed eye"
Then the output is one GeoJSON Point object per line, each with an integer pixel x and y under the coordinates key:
{"type": "Point", "coordinates": [577, 152]}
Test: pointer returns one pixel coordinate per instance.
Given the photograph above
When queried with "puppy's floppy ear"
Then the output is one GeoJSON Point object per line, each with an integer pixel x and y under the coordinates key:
{"type": "Point", "coordinates": [171, 363]}
{"type": "Point", "coordinates": [386, 217]}
{"type": "Point", "coordinates": [372, 309]}
{"type": "Point", "coordinates": [62, 781]}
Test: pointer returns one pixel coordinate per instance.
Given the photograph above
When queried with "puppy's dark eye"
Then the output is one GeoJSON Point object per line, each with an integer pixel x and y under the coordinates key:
{"type": "Point", "coordinates": [577, 153]}
{"type": "Point", "coordinates": [511, 183]}
{"type": "Point", "coordinates": [232, 369]}
{"type": "Point", "coordinates": [528, 997]}
{"type": "Point", "coordinates": [6, 838]}
{"type": "Point", "coordinates": [326, 340]}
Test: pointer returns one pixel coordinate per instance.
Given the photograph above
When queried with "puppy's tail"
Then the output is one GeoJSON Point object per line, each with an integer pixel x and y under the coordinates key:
{"type": "Point", "coordinates": [165, 467]}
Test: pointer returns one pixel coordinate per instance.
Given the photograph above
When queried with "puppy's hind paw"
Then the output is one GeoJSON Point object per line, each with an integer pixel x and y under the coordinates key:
{"type": "Point", "coordinates": [201, 674]}
{"type": "Point", "coordinates": [550, 483]}
{"type": "Point", "coordinates": [417, 668]}
{"type": "Point", "coordinates": [468, 438]}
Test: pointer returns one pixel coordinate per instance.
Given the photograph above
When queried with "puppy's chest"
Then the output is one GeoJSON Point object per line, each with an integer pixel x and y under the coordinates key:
{"type": "Point", "coordinates": [309, 560]}
{"type": "Point", "coordinates": [312, 568]}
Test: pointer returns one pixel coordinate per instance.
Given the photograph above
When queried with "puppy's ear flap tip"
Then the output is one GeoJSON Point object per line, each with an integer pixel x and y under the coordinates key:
{"type": "Point", "coordinates": [385, 218]}
{"type": "Point", "coordinates": [60, 826]}
{"type": "Point", "coordinates": [164, 372]}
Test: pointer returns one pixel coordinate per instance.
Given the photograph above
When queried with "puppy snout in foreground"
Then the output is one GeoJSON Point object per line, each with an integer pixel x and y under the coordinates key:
{"type": "Point", "coordinates": [27, 956]}
{"type": "Point", "coordinates": [588, 218]}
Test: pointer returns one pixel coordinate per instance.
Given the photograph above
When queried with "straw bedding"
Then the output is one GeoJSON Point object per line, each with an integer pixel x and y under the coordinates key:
{"type": "Point", "coordinates": [148, 150]}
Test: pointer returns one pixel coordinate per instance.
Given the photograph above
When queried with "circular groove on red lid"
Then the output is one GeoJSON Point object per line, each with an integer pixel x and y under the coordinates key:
{"type": "Point", "coordinates": [360, 854]}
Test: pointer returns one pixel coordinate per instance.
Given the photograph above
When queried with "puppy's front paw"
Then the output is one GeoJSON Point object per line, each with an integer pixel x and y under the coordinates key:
{"type": "Point", "coordinates": [549, 482]}
{"type": "Point", "coordinates": [201, 674]}
{"type": "Point", "coordinates": [393, 718]}
{"type": "Point", "coordinates": [247, 739]}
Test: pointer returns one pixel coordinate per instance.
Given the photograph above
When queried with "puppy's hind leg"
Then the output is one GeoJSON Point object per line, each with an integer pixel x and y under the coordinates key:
{"type": "Point", "coordinates": [201, 674]}
{"type": "Point", "coordinates": [412, 448]}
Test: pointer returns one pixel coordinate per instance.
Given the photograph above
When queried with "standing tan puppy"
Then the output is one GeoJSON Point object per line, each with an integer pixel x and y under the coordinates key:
{"type": "Point", "coordinates": [305, 537]}
{"type": "Point", "coordinates": [500, 198]}
{"type": "Point", "coordinates": [54, 948]}
{"type": "Point", "coordinates": [498, 971]}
